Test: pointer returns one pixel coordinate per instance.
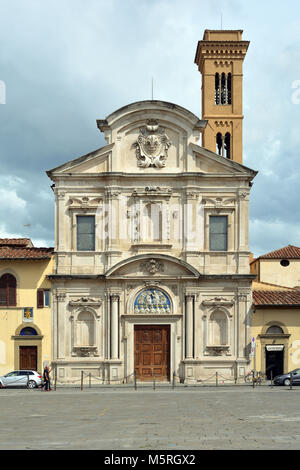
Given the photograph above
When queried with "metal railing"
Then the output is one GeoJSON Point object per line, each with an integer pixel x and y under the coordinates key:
{"type": "Point", "coordinates": [88, 380]}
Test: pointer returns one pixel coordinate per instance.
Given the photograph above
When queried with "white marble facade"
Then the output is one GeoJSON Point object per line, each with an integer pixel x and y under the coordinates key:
{"type": "Point", "coordinates": [152, 193]}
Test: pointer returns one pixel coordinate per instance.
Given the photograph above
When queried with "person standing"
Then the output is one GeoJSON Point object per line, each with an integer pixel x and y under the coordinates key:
{"type": "Point", "coordinates": [46, 377]}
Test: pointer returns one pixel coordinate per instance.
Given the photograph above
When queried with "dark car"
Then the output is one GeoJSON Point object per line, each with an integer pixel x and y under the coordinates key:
{"type": "Point", "coordinates": [285, 379]}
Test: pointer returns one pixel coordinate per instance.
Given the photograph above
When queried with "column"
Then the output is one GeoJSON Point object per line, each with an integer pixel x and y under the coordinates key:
{"type": "Point", "coordinates": [60, 220]}
{"type": "Point", "coordinates": [61, 320]}
{"type": "Point", "coordinates": [114, 326]}
{"type": "Point", "coordinates": [189, 326]}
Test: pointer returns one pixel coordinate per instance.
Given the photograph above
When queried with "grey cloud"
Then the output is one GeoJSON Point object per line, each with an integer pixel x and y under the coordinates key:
{"type": "Point", "coordinates": [67, 63]}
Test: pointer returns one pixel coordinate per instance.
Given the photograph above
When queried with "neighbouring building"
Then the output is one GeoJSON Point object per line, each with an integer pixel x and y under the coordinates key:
{"type": "Point", "coordinates": [276, 328]}
{"type": "Point", "coordinates": [276, 311]}
{"type": "Point", "coordinates": [25, 305]}
{"type": "Point", "coordinates": [151, 269]}
{"type": "Point", "coordinates": [280, 267]}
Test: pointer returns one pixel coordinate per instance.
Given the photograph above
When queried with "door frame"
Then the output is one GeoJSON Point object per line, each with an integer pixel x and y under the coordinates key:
{"type": "Point", "coordinates": [269, 339]}
{"type": "Point", "coordinates": [36, 353]}
{"type": "Point", "coordinates": [34, 340]}
{"type": "Point", "coordinates": [282, 359]}
{"type": "Point", "coordinates": [175, 322]}
{"type": "Point", "coordinates": [149, 326]}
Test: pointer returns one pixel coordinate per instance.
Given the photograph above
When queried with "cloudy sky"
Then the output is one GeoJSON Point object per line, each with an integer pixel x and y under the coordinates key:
{"type": "Point", "coordinates": [66, 63]}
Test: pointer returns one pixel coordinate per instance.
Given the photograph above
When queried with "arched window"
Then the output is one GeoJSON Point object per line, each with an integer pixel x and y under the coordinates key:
{"type": "Point", "coordinates": [28, 331]}
{"type": "Point", "coordinates": [219, 143]}
{"type": "Point", "coordinates": [8, 290]}
{"type": "Point", "coordinates": [223, 144]}
{"type": "Point", "coordinates": [217, 88]}
{"type": "Point", "coordinates": [85, 329]}
{"type": "Point", "coordinates": [227, 145]}
{"type": "Point", "coordinates": [223, 88]}
{"type": "Point", "coordinates": [229, 88]}
{"type": "Point", "coordinates": [274, 330]}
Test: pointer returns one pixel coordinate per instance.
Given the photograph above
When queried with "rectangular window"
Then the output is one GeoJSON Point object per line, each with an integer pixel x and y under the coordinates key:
{"type": "Point", "coordinates": [218, 227]}
{"type": "Point", "coordinates": [43, 298]}
{"type": "Point", "coordinates": [46, 298]}
{"type": "Point", "coordinates": [85, 232]}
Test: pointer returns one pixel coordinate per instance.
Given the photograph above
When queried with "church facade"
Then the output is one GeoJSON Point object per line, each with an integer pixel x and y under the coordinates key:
{"type": "Point", "coordinates": [151, 238]}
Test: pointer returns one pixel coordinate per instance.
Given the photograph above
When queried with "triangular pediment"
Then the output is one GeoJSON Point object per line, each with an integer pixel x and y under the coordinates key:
{"type": "Point", "coordinates": [93, 162]}
{"type": "Point", "coordinates": [211, 163]}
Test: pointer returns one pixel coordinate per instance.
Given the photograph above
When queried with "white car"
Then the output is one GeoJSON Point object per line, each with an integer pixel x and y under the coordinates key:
{"type": "Point", "coordinates": [21, 378]}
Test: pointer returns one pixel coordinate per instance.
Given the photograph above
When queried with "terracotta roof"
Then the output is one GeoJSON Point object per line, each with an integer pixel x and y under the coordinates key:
{"type": "Point", "coordinates": [16, 242]}
{"type": "Point", "coordinates": [258, 285]}
{"type": "Point", "coordinates": [287, 252]}
{"type": "Point", "coordinates": [13, 252]}
{"type": "Point", "coordinates": [290, 297]}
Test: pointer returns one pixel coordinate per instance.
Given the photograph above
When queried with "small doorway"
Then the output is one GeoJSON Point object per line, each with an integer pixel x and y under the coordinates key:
{"type": "Point", "coordinates": [152, 352]}
{"type": "Point", "coordinates": [274, 362]}
{"type": "Point", "coordinates": [28, 357]}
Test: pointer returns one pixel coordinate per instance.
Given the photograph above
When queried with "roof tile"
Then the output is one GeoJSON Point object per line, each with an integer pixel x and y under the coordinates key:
{"type": "Point", "coordinates": [276, 297]}
{"type": "Point", "coordinates": [26, 242]}
{"type": "Point", "coordinates": [289, 252]}
{"type": "Point", "coordinates": [12, 252]}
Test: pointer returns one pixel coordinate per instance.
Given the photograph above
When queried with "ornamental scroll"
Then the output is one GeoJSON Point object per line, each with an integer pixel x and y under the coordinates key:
{"type": "Point", "coordinates": [152, 146]}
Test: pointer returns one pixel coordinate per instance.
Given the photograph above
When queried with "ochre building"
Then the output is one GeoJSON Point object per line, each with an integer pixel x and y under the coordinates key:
{"type": "Point", "coordinates": [25, 305]}
{"type": "Point", "coordinates": [280, 267]}
{"type": "Point", "coordinates": [276, 311]}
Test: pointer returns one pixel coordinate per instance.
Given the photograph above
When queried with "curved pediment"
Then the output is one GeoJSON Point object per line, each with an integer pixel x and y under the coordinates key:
{"type": "Point", "coordinates": [152, 265]}
{"type": "Point", "coordinates": [150, 135]}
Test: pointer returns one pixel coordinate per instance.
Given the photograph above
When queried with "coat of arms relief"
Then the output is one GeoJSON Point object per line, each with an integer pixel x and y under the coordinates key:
{"type": "Point", "coordinates": [152, 146]}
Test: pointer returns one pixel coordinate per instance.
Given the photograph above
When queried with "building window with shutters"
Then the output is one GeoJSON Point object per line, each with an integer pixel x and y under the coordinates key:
{"type": "Point", "coordinates": [8, 290]}
{"type": "Point", "coordinates": [43, 298]}
{"type": "Point", "coordinates": [85, 233]}
{"type": "Point", "coordinates": [218, 231]}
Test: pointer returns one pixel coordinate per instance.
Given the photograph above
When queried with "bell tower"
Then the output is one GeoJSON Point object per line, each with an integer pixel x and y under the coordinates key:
{"type": "Point", "coordinates": [220, 56]}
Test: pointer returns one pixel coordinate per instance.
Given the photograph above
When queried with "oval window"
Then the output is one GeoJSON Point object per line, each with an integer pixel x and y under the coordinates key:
{"type": "Point", "coordinates": [284, 263]}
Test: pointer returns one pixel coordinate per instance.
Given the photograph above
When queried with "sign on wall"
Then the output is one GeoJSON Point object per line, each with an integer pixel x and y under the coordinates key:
{"type": "Point", "coordinates": [274, 347]}
{"type": "Point", "coordinates": [253, 347]}
{"type": "Point", "coordinates": [27, 314]}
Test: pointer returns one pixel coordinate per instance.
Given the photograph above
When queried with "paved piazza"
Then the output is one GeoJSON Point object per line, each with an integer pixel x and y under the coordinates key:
{"type": "Point", "coordinates": [122, 419]}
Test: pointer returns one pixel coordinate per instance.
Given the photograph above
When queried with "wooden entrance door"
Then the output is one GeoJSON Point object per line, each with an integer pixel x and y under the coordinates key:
{"type": "Point", "coordinates": [152, 352]}
{"type": "Point", "coordinates": [28, 357]}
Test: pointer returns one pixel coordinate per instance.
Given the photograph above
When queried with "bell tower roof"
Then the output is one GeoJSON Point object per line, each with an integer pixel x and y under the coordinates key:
{"type": "Point", "coordinates": [224, 39]}
{"type": "Point", "coordinates": [220, 56]}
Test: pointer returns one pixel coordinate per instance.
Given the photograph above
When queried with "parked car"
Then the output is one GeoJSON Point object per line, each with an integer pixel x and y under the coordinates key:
{"type": "Point", "coordinates": [285, 379]}
{"type": "Point", "coordinates": [21, 378]}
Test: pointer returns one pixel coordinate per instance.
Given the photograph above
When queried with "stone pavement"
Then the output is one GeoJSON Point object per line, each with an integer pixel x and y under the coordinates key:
{"type": "Point", "coordinates": [120, 418]}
